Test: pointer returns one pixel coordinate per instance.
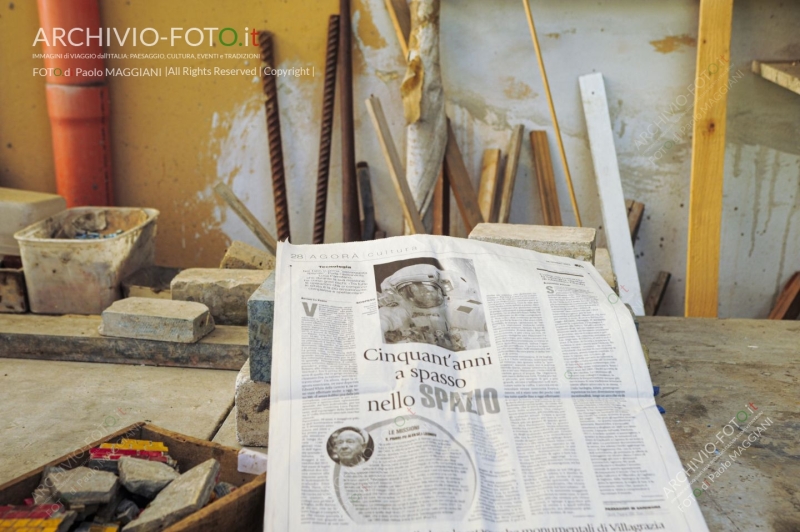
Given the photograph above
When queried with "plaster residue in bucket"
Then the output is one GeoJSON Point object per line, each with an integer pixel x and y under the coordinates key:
{"type": "Point", "coordinates": [95, 225]}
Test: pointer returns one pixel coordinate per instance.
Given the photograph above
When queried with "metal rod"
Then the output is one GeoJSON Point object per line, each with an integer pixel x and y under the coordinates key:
{"type": "Point", "coordinates": [552, 112]}
{"type": "Point", "coordinates": [274, 136]}
{"type": "Point", "coordinates": [328, 103]}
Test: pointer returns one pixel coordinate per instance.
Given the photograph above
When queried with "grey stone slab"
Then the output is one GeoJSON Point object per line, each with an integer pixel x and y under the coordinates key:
{"type": "Point", "coordinates": [602, 261]}
{"type": "Point", "coordinates": [144, 477]}
{"type": "Point", "coordinates": [573, 242]}
{"type": "Point", "coordinates": [241, 256]}
{"type": "Point", "coordinates": [224, 292]}
{"type": "Point", "coordinates": [252, 410]}
{"type": "Point", "coordinates": [50, 408]}
{"type": "Point", "coordinates": [157, 319]}
{"type": "Point", "coordinates": [182, 497]}
{"type": "Point", "coordinates": [83, 486]}
{"type": "Point", "coordinates": [261, 313]}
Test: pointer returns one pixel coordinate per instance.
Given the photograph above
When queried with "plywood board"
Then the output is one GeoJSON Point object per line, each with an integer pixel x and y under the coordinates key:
{"type": "Point", "coordinates": [609, 185]}
{"type": "Point", "coordinates": [783, 73]}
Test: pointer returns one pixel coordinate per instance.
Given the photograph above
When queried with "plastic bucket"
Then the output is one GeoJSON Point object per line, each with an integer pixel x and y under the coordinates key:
{"type": "Point", "coordinates": [69, 275]}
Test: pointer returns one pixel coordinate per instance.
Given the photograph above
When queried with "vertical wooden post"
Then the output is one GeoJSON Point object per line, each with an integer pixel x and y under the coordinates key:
{"type": "Point", "coordinates": [351, 227]}
{"type": "Point", "coordinates": [708, 158]}
{"type": "Point", "coordinates": [441, 204]}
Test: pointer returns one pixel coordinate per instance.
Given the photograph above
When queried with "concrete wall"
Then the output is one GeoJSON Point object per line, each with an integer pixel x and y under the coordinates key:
{"type": "Point", "coordinates": [173, 138]}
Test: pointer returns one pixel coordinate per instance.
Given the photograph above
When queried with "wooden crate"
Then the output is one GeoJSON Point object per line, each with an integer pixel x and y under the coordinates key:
{"type": "Point", "coordinates": [242, 510]}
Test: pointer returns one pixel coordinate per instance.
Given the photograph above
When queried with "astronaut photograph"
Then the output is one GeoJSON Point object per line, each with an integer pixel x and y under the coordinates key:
{"type": "Point", "coordinates": [431, 301]}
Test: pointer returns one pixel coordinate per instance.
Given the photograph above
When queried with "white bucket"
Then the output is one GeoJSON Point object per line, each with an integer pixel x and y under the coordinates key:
{"type": "Point", "coordinates": [66, 275]}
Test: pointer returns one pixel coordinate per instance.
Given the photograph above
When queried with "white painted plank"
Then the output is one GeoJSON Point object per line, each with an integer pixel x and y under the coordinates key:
{"type": "Point", "coordinates": [612, 201]}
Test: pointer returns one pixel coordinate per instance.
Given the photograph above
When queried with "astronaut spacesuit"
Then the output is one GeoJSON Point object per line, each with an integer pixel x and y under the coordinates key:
{"type": "Point", "coordinates": [422, 303]}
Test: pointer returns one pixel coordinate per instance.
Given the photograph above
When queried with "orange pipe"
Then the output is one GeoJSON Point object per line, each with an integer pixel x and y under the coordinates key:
{"type": "Point", "coordinates": [78, 105]}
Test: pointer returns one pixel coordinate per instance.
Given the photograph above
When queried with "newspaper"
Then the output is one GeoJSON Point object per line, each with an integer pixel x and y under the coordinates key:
{"type": "Point", "coordinates": [437, 384]}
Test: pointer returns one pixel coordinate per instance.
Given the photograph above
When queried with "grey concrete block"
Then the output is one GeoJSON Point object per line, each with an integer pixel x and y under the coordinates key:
{"type": "Point", "coordinates": [83, 486]}
{"type": "Point", "coordinates": [241, 256]}
{"type": "Point", "coordinates": [184, 496]}
{"type": "Point", "coordinates": [260, 311]}
{"type": "Point", "coordinates": [573, 242]}
{"type": "Point", "coordinates": [157, 319]}
{"type": "Point", "coordinates": [224, 292]}
{"type": "Point", "coordinates": [144, 477]}
{"type": "Point", "coordinates": [252, 409]}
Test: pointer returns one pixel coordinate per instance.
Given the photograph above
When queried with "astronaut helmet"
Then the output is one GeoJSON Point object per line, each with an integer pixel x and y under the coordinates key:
{"type": "Point", "coordinates": [420, 285]}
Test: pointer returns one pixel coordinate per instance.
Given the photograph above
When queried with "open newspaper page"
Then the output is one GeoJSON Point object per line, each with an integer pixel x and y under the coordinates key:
{"type": "Point", "coordinates": [437, 384]}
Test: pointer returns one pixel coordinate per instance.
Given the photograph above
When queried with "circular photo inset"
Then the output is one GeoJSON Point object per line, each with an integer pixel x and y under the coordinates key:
{"type": "Point", "coordinates": [350, 446]}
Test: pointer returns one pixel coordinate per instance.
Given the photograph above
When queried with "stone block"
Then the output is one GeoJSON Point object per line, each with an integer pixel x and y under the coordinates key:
{"type": "Point", "coordinates": [83, 486]}
{"type": "Point", "coordinates": [157, 319]}
{"type": "Point", "coordinates": [260, 314]}
{"type": "Point", "coordinates": [602, 261]}
{"type": "Point", "coordinates": [144, 477]}
{"type": "Point", "coordinates": [150, 281]}
{"type": "Point", "coordinates": [573, 242]}
{"type": "Point", "coordinates": [252, 409]}
{"type": "Point", "coordinates": [224, 292]}
{"type": "Point", "coordinates": [21, 208]}
{"type": "Point", "coordinates": [241, 256]}
{"type": "Point", "coordinates": [182, 497]}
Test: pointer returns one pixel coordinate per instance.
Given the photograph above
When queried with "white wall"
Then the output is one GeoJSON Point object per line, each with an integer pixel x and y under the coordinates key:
{"type": "Point", "coordinates": [646, 53]}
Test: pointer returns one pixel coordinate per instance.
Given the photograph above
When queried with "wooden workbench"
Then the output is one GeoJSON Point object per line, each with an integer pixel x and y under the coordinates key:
{"type": "Point", "coordinates": [709, 370]}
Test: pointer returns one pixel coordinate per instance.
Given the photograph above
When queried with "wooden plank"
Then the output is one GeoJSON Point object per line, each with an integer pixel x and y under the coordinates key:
{"type": "Point", "coordinates": [75, 338]}
{"type": "Point", "coordinates": [609, 185]}
{"type": "Point", "coordinates": [396, 170]}
{"type": "Point", "coordinates": [464, 192]}
{"type": "Point", "coordinates": [487, 190]}
{"type": "Point", "coordinates": [656, 294]}
{"type": "Point", "coordinates": [401, 20]}
{"type": "Point", "coordinates": [246, 216]}
{"type": "Point", "coordinates": [787, 307]}
{"type": "Point", "coordinates": [441, 205]}
{"type": "Point", "coordinates": [708, 371]}
{"type": "Point", "coordinates": [635, 215]}
{"type": "Point", "coordinates": [545, 179]}
{"type": "Point", "coordinates": [708, 162]}
{"type": "Point", "coordinates": [783, 73]}
{"type": "Point", "coordinates": [351, 228]}
{"type": "Point", "coordinates": [510, 174]}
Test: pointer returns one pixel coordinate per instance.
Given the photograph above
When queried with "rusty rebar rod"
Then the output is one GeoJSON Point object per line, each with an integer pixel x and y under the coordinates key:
{"type": "Point", "coordinates": [274, 136]}
{"type": "Point", "coordinates": [328, 103]}
{"type": "Point", "coordinates": [351, 226]}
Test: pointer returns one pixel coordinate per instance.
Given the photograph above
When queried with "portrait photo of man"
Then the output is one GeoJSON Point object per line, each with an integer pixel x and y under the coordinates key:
{"type": "Point", "coordinates": [350, 446]}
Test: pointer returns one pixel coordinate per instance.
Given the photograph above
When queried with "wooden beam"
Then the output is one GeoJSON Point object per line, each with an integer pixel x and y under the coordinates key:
{"type": "Point", "coordinates": [783, 73]}
{"type": "Point", "coordinates": [246, 216]}
{"type": "Point", "coordinates": [396, 171]}
{"type": "Point", "coordinates": [545, 179]}
{"type": "Point", "coordinates": [609, 186]}
{"type": "Point", "coordinates": [787, 307]}
{"type": "Point", "coordinates": [487, 190]}
{"type": "Point", "coordinates": [708, 160]}
{"type": "Point", "coordinates": [510, 174]}
{"type": "Point", "coordinates": [351, 228]}
{"type": "Point", "coordinates": [635, 215]}
{"type": "Point", "coordinates": [75, 338]}
{"type": "Point", "coordinates": [401, 20]}
{"type": "Point", "coordinates": [656, 294]}
{"type": "Point", "coordinates": [464, 192]}
{"type": "Point", "coordinates": [441, 205]}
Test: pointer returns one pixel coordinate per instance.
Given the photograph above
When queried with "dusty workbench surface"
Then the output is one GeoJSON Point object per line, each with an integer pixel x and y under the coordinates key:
{"type": "Point", "coordinates": [708, 371]}
{"type": "Point", "coordinates": [49, 408]}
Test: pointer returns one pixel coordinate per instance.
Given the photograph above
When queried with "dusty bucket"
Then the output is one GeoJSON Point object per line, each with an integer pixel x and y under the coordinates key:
{"type": "Point", "coordinates": [75, 260]}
